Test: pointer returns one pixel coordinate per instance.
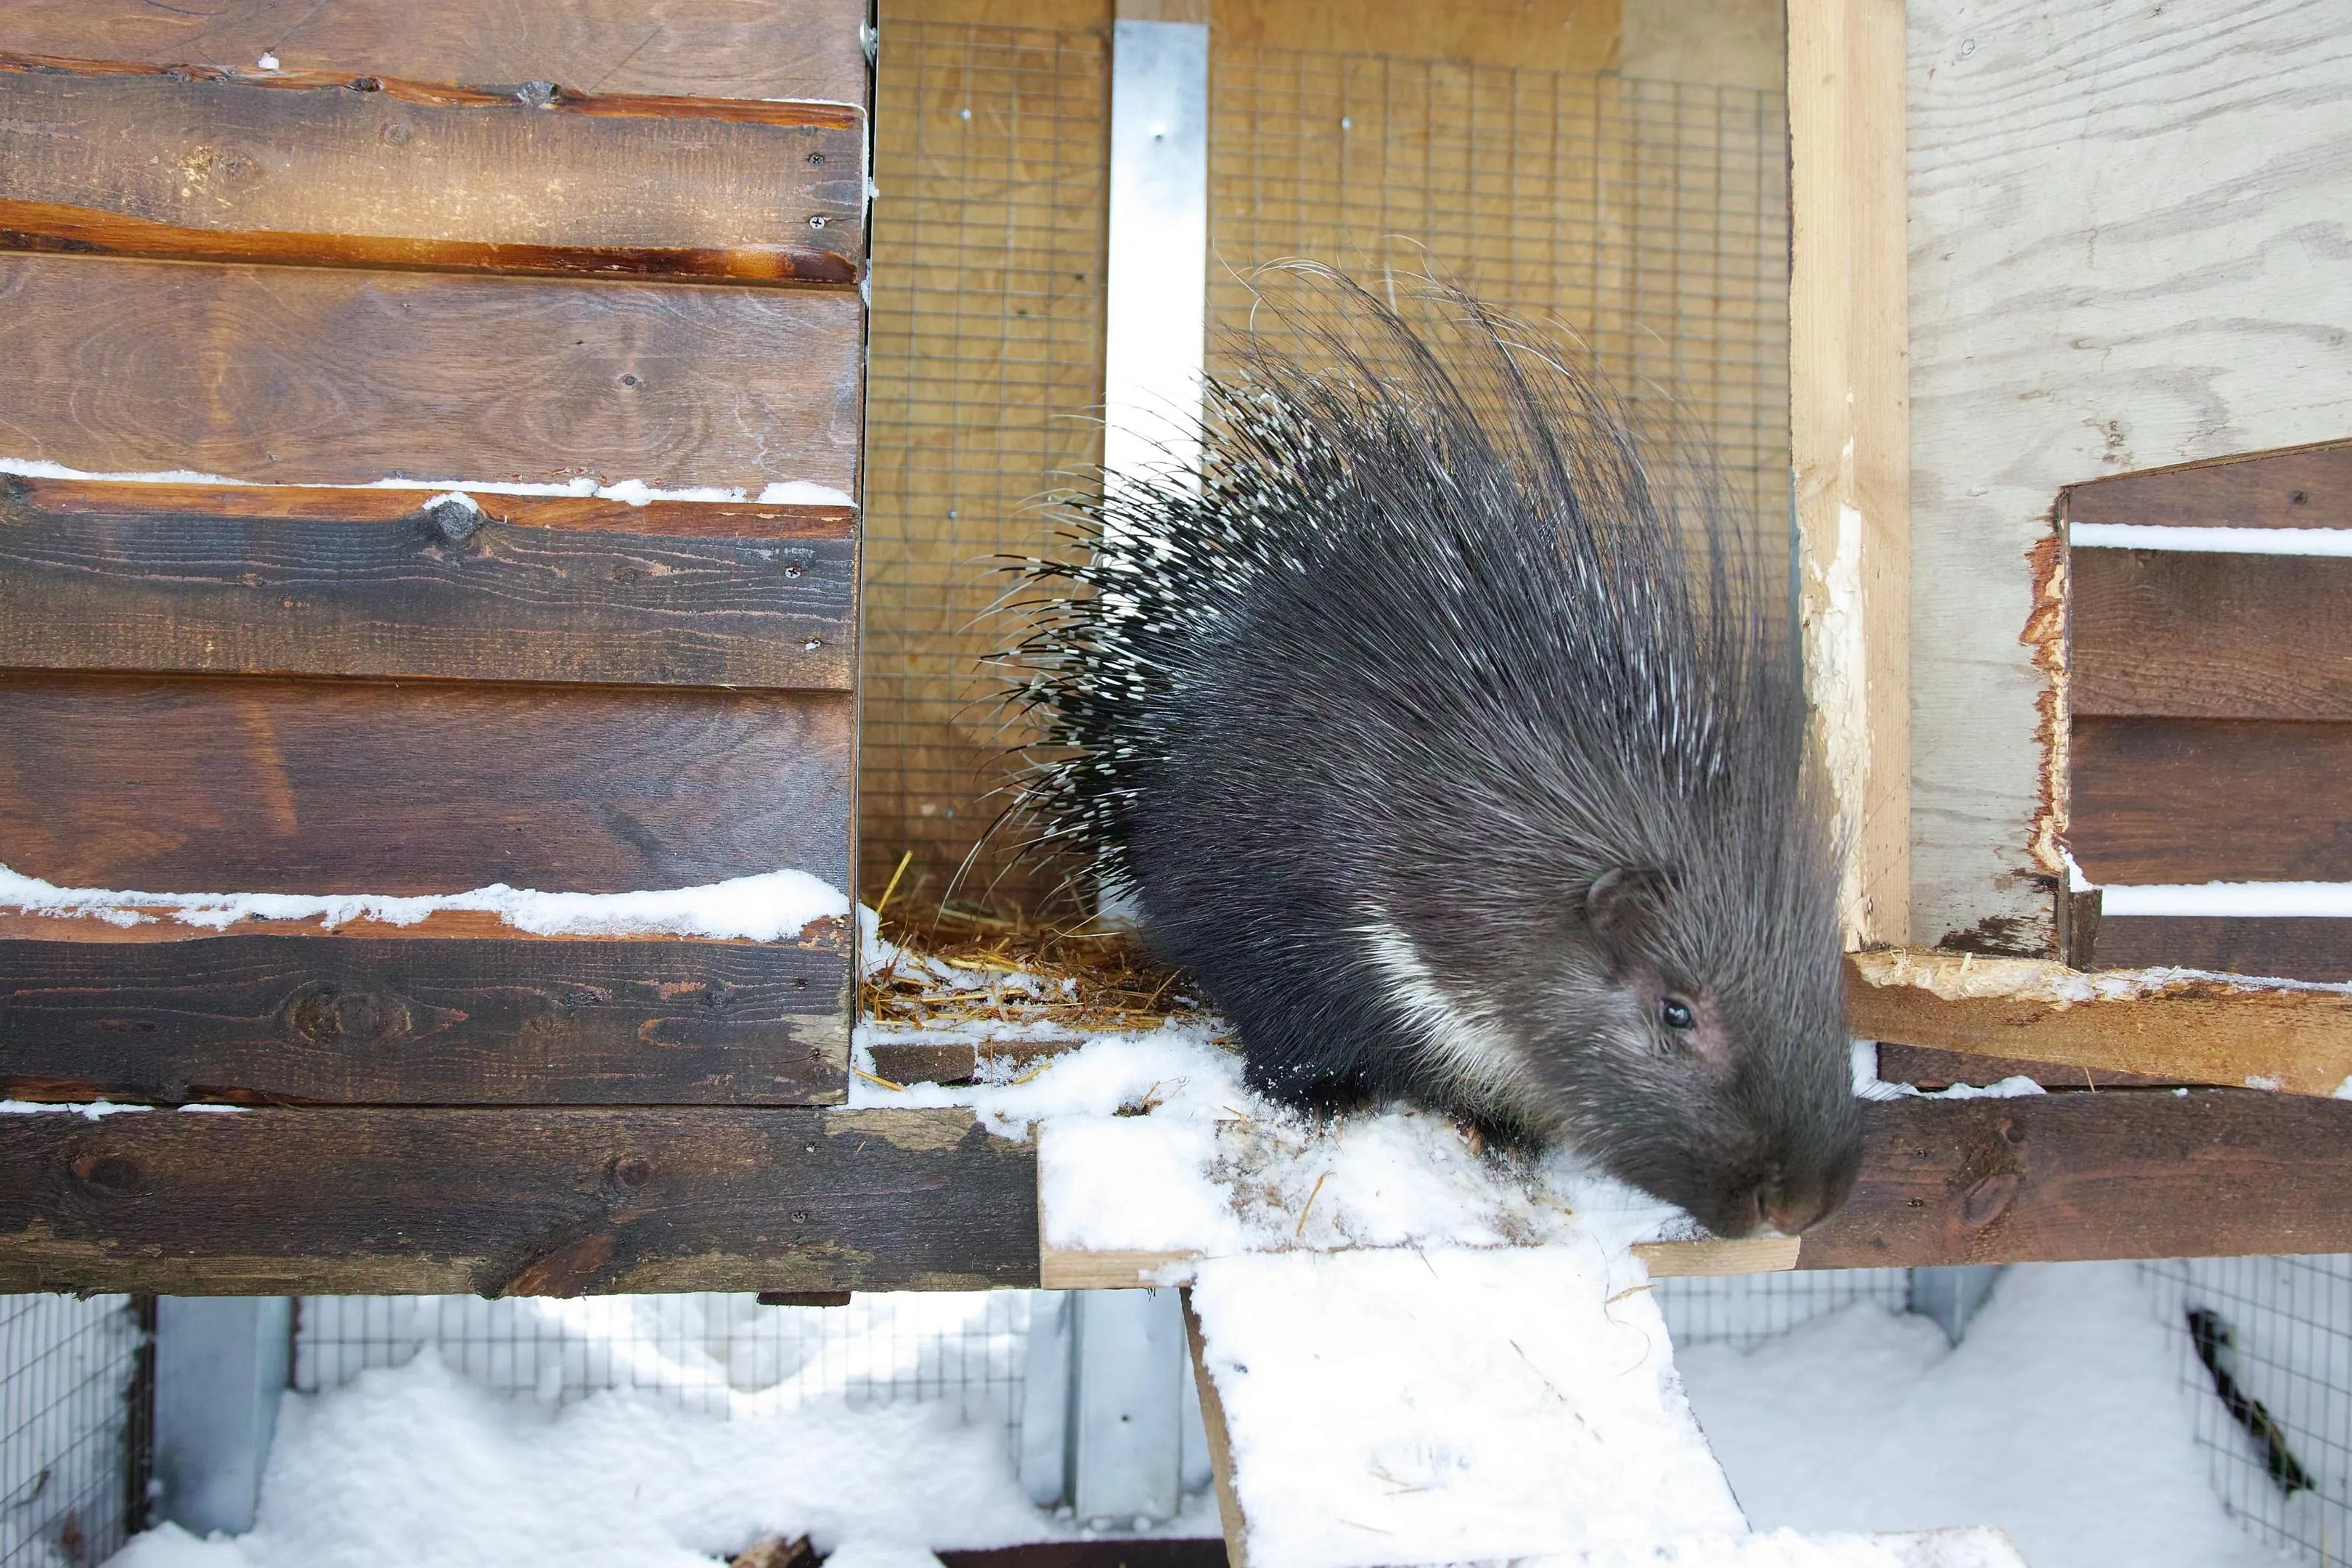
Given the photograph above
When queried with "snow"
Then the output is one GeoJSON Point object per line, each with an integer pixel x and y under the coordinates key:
{"type": "Point", "coordinates": [418, 1466]}
{"type": "Point", "coordinates": [1536, 1411]}
{"type": "Point", "coordinates": [771, 906]}
{"type": "Point", "coordinates": [2242, 900]}
{"type": "Point", "coordinates": [1787, 1549]}
{"type": "Point", "coordinates": [2213, 540]}
{"type": "Point", "coordinates": [631, 492]}
{"type": "Point", "coordinates": [1150, 1142]}
{"type": "Point", "coordinates": [2058, 1417]}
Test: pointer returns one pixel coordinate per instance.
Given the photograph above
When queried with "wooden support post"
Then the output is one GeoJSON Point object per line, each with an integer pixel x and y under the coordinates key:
{"type": "Point", "coordinates": [1850, 430]}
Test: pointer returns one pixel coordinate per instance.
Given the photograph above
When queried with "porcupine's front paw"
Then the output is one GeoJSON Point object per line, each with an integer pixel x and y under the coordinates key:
{"type": "Point", "coordinates": [1306, 1086]}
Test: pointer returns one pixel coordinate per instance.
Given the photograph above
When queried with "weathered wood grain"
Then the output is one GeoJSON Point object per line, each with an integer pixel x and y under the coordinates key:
{"type": "Point", "coordinates": [513, 1202]}
{"type": "Point", "coordinates": [1924, 1067]}
{"type": "Point", "coordinates": [2194, 800]}
{"type": "Point", "coordinates": [2293, 950]}
{"type": "Point", "coordinates": [425, 1022]}
{"type": "Point", "coordinates": [2141, 1173]}
{"type": "Point", "coordinates": [2305, 487]}
{"type": "Point", "coordinates": [2100, 283]}
{"type": "Point", "coordinates": [443, 589]}
{"type": "Point", "coordinates": [2199, 635]}
{"type": "Point", "coordinates": [1850, 418]}
{"type": "Point", "coordinates": [366, 171]}
{"type": "Point", "coordinates": [718, 48]}
{"type": "Point", "coordinates": [178, 785]}
{"type": "Point", "coordinates": [2179, 1029]}
{"type": "Point", "coordinates": [318, 375]}
{"type": "Point", "coordinates": [2168, 1027]}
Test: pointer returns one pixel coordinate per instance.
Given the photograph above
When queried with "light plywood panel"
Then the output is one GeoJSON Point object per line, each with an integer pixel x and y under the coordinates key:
{"type": "Point", "coordinates": [2127, 230]}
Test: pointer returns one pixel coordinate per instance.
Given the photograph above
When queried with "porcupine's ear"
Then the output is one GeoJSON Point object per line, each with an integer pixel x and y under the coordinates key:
{"type": "Point", "coordinates": [1624, 906]}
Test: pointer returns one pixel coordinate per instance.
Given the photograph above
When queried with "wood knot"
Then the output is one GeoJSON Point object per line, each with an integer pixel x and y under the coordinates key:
{"type": "Point", "coordinates": [452, 519]}
{"type": "Point", "coordinates": [111, 1174]}
{"type": "Point", "coordinates": [323, 1014]}
{"type": "Point", "coordinates": [1989, 1199]}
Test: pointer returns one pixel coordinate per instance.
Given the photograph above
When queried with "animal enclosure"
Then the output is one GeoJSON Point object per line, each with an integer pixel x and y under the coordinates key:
{"type": "Point", "coordinates": [1566, 163]}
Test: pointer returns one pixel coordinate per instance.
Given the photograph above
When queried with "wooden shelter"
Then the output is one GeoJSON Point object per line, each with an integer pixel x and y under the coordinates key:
{"type": "Point", "coordinates": [275, 279]}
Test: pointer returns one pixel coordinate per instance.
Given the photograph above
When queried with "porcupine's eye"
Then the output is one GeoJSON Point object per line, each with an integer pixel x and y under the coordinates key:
{"type": "Point", "coordinates": [1676, 1013]}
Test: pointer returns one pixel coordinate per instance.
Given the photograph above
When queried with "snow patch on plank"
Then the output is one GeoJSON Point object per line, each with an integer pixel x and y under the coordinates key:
{"type": "Point", "coordinates": [630, 491]}
{"type": "Point", "coordinates": [1151, 1143]}
{"type": "Point", "coordinates": [1537, 1409]}
{"type": "Point", "coordinates": [2234, 900]}
{"type": "Point", "coordinates": [2210, 541]}
{"type": "Point", "coordinates": [771, 906]}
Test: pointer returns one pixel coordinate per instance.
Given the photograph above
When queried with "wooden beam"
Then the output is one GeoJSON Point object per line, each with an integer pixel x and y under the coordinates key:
{"type": "Point", "coordinates": [2311, 947]}
{"type": "Point", "coordinates": [422, 1020]}
{"type": "Point", "coordinates": [389, 586]}
{"type": "Point", "coordinates": [809, 49]}
{"type": "Point", "coordinates": [2195, 1030]}
{"type": "Point", "coordinates": [2210, 799]}
{"type": "Point", "coordinates": [1231, 1521]}
{"type": "Point", "coordinates": [322, 375]}
{"type": "Point", "coordinates": [217, 165]}
{"type": "Point", "coordinates": [2199, 634]}
{"type": "Point", "coordinates": [2297, 487]}
{"type": "Point", "coordinates": [2139, 1173]}
{"type": "Point", "coordinates": [1850, 425]}
{"type": "Point", "coordinates": [1069, 1269]}
{"type": "Point", "coordinates": [513, 1202]}
{"type": "Point", "coordinates": [254, 785]}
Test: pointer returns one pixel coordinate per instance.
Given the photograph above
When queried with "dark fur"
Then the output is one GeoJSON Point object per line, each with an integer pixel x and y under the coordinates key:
{"type": "Point", "coordinates": [1434, 651]}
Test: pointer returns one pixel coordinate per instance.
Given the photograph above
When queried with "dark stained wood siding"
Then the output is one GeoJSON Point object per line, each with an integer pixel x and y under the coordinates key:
{"type": "Point", "coordinates": [369, 171]}
{"type": "Point", "coordinates": [397, 583]}
{"type": "Point", "coordinates": [2210, 695]}
{"type": "Point", "coordinates": [291, 375]}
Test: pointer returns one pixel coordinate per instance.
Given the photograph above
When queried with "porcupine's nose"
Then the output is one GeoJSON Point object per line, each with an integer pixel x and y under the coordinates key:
{"type": "Point", "coordinates": [1793, 1214]}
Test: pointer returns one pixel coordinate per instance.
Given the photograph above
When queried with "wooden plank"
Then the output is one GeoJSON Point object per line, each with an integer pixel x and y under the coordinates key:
{"type": "Point", "coordinates": [336, 170]}
{"type": "Point", "coordinates": [425, 1022]}
{"type": "Point", "coordinates": [2100, 283]}
{"type": "Point", "coordinates": [513, 1202]}
{"type": "Point", "coordinates": [809, 49]}
{"type": "Point", "coordinates": [389, 585]}
{"type": "Point", "coordinates": [1850, 418]}
{"type": "Point", "coordinates": [2133, 1173]}
{"type": "Point", "coordinates": [2305, 488]}
{"type": "Point", "coordinates": [1066, 1268]}
{"type": "Point", "coordinates": [2192, 800]}
{"type": "Point", "coordinates": [2201, 635]}
{"type": "Point", "coordinates": [1924, 1067]}
{"type": "Point", "coordinates": [2294, 949]}
{"type": "Point", "coordinates": [2190, 1031]}
{"type": "Point", "coordinates": [178, 785]}
{"type": "Point", "coordinates": [1231, 1520]}
{"type": "Point", "coordinates": [316, 375]}
{"type": "Point", "coordinates": [1579, 35]}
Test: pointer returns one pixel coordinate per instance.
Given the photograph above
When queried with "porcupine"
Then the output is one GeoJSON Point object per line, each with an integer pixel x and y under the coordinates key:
{"type": "Point", "coordinates": [1455, 743]}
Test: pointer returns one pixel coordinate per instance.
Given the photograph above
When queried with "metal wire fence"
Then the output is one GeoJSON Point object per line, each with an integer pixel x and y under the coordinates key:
{"type": "Point", "coordinates": [73, 1438]}
{"type": "Point", "coordinates": [719, 1355]}
{"type": "Point", "coordinates": [2264, 1349]}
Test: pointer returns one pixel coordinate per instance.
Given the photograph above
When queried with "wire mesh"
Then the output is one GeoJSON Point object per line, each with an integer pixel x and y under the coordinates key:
{"type": "Point", "coordinates": [983, 394]}
{"type": "Point", "coordinates": [1647, 220]}
{"type": "Point", "coordinates": [1744, 1310]}
{"type": "Point", "coordinates": [2285, 1325]}
{"type": "Point", "coordinates": [72, 1468]}
{"type": "Point", "coordinates": [719, 1355]}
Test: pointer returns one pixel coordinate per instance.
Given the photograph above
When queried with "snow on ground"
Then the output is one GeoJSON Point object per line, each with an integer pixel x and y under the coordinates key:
{"type": "Point", "coordinates": [420, 1468]}
{"type": "Point", "coordinates": [2059, 1416]}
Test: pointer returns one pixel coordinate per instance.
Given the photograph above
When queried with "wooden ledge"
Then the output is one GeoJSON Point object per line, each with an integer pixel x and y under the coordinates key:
{"type": "Point", "coordinates": [2167, 1023]}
